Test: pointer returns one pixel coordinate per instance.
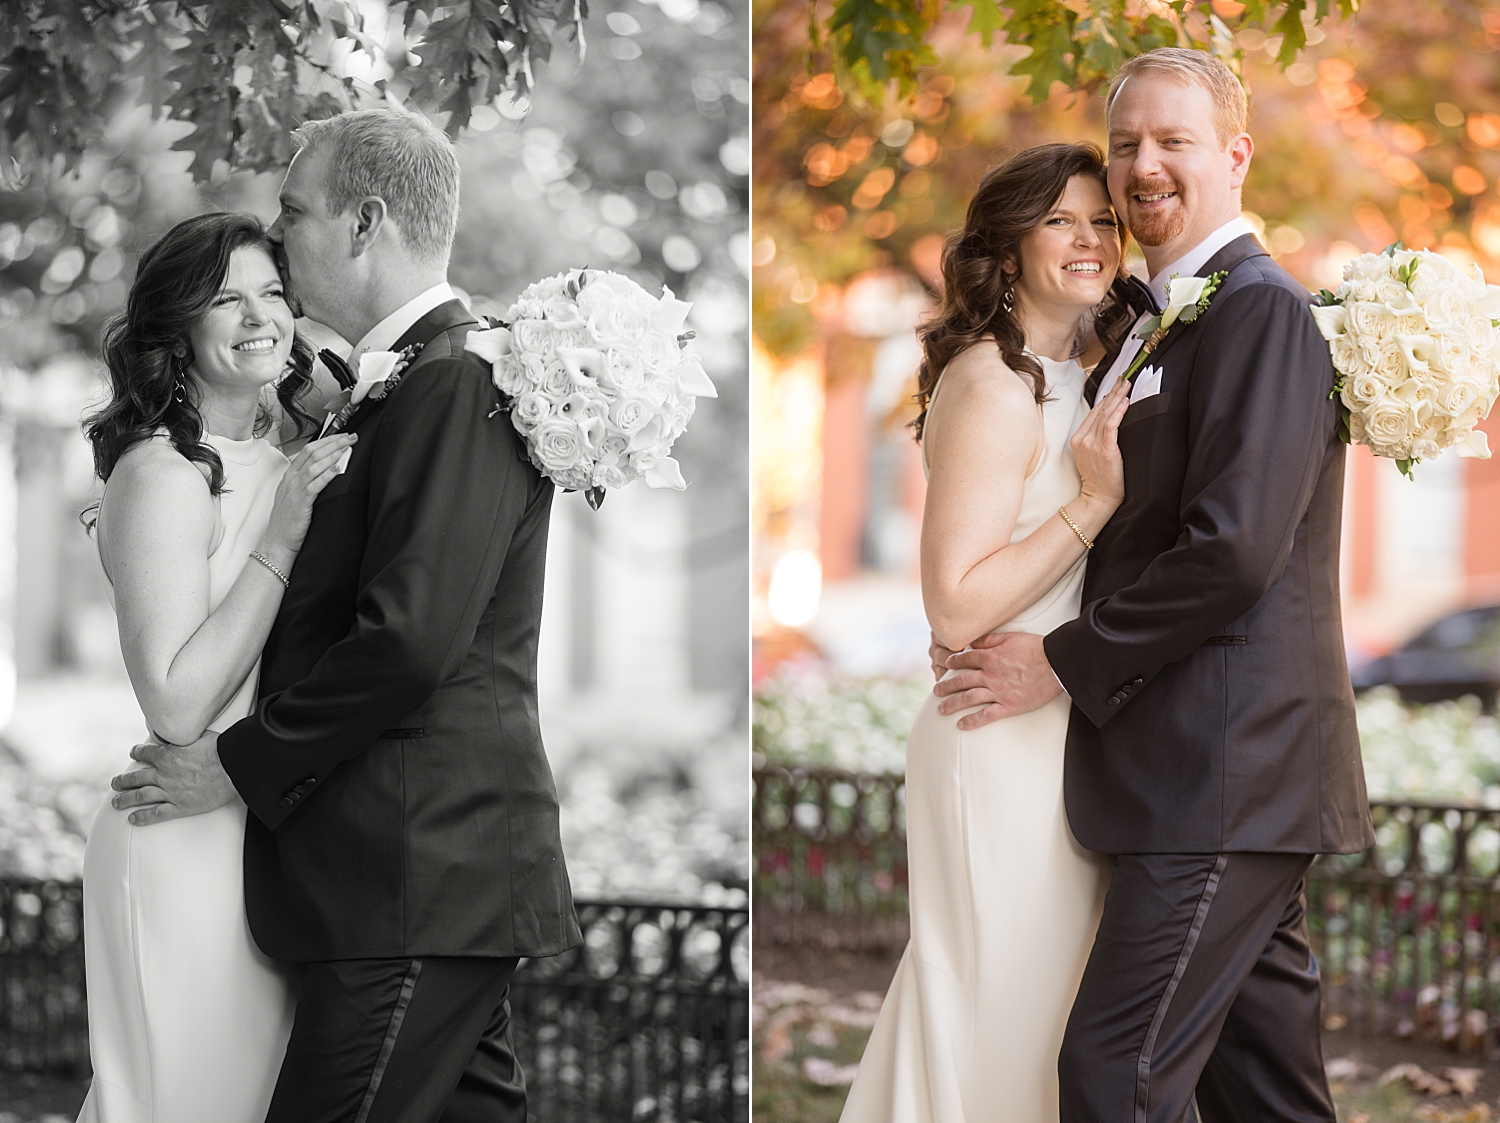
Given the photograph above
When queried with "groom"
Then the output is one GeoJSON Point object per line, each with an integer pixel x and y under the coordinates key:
{"type": "Point", "coordinates": [1212, 748]}
{"type": "Point", "coordinates": [402, 849]}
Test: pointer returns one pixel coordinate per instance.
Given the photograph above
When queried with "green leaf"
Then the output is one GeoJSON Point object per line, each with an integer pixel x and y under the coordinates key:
{"type": "Point", "coordinates": [1293, 32]}
{"type": "Point", "coordinates": [985, 18]}
{"type": "Point", "coordinates": [1326, 298]}
{"type": "Point", "coordinates": [1344, 426]}
{"type": "Point", "coordinates": [1405, 468]}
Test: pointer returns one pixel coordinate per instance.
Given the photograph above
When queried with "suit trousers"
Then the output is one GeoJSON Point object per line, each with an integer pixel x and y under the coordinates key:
{"type": "Point", "coordinates": [424, 1040]}
{"type": "Point", "coordinates": [1201, 981]}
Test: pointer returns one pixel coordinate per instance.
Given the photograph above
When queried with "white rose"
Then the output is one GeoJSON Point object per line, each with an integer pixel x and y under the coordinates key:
{"type": "Point", "coordinates": [508, 375]}
{"type": "Point", "coordinates": [530, 410]}
{"type": "Point", "coordinates": [1389, 423]}
{"type": "Point", "coordinates": [1447, 306]}
{"type": "Point", "coordinates": [1455, 397]}
{"type": "Point", "coordinates": [1348, 356]}
{"type": "Point", "coordinates": [1371, 320]}
{"type": "Point", "coordinates": [630, 415]}
{"type": "Point", "coordinates": [1481, 335]}
{"type": "Point", "coordinates": [626, 370]}
{"type": "Point", "coordinates": [561, 312]}
{"type": "Point", "coordinates": [1453, 354]}
{"type": "Point", "coordinates": [1362, 391]}
{"type": "Point", "coordinates": [658, 350]}
{"type": "Point", "coordinates": [1390, 364]}
{"type": "Point", "coordinates": [559, 382]}
{"type": "Point", "coordinates": [614, 324]}
{"type": "Point", "coordinates": [532, 337]}
{"type": "Point", "coordinates": [609, 475]}
{"type": "Point", "coordinates": [559, 445]}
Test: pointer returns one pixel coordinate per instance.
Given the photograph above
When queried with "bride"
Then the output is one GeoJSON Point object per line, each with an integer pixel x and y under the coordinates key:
{"type": "Point", "coordinates": [200, 522]}
{"type": "Point", "coordinates": [1022, 475]}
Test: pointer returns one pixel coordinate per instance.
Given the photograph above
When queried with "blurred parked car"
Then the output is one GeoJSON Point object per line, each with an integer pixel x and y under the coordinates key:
{"type": "Point", "coordinates": [1456, 655]}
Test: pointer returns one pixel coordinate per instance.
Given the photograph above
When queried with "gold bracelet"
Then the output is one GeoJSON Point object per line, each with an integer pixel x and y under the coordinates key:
{"type": "Point", "coordinates": [1063, 511]}
{"type": "Point", "coordinates": [265, 561]}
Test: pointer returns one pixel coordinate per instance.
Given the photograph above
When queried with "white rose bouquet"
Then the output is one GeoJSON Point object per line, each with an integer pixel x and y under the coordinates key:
{"type": "Point", "coordinates": [599, 379]}
{"type": "Point", "coordinates": [1414, 344]}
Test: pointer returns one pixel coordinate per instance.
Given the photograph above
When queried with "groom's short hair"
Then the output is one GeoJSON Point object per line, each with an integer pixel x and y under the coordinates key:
{"type": "Point", "coordinates": [1231, 110]}
{"type": "Point", "coordinates": [402, 158]}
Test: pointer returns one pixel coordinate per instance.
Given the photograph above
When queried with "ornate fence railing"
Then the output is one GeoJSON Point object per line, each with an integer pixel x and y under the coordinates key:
{"type": "Point", "coordinates": [649, 1019]}
{"type": "Point", "coordinates": [1407, 933]}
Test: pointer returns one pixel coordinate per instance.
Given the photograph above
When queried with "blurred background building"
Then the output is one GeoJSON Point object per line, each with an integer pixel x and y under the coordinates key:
{"type": "Point", "coordinates": [638, 161]}
{"type": "Point", "coordinates": [1385, 128]}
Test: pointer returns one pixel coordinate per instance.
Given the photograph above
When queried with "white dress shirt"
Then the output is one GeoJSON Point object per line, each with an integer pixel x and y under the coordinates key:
{"type": "Point", "coordinates": [1185, 266]}
{"type": "Point", "coordinates": [383, 336]}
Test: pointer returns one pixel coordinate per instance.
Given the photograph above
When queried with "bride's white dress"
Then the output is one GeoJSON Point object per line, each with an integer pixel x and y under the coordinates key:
{"type": "Point", "coordinates": [1004, 903]}
{"type": "Point", "coordinates": [188, 1021]}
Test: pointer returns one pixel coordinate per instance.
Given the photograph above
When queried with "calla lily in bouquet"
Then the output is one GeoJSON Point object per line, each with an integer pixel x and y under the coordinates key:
{"type": "Point", "coordinates": [599, 379]}
{"type": "Point", "coordinates": [1416, 353]}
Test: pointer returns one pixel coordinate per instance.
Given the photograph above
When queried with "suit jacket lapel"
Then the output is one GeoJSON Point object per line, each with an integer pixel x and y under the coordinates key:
{"type": "Point", "coordinates": [1139, 298]}
{"type": "Point", "coordinates": [451, 314]}
{"type": "Point", "coordinates": [444, 317]}
{"type": "Point", "coordinates": [1240, 250]}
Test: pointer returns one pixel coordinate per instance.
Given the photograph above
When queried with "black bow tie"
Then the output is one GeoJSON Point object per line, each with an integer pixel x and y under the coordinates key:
{"type": "Point", "coordinates": [341, 371]}
{"type": "Point", "coordinates": [1139, 296]}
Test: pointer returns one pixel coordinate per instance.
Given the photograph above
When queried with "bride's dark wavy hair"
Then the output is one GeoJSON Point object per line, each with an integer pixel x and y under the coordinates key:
{"type": "Point", "coordinates": [148, 351]}
{"type": "Point", "coordinates": [1012, 200]}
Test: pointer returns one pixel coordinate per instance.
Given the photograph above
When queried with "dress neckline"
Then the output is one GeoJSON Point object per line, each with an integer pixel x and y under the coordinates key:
{"type": "Point", "coordinates": [244, 452]}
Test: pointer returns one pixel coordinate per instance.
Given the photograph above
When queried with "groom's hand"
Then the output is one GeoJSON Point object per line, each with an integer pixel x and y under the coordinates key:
{"type": "Point", "coordinates": [1006, 673]}
{"type": "Point", "coordinates": [178, 781]}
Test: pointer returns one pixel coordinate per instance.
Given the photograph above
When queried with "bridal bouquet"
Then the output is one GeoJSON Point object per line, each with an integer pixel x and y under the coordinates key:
{"type": "Point", "coordinates": [1417, 355]}
{"type": "Point", "coordinates": [599, 379]}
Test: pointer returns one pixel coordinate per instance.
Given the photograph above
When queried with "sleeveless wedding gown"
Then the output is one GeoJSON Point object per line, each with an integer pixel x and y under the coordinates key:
{"type": "Point", "coordinates": [1004, 903]}
{"type": "Point", "coordinates": [188, 1021]}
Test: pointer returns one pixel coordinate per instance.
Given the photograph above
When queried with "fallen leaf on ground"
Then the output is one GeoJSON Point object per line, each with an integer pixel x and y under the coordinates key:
{"type": "Point", "coordinates": [1418, 1077]}
{"type": "Point", "coordinates": [1474, 1113]}
{"type": "Point", "coordinates": [1465, 1081]}
{"type": "Point", "coordinates": [827, 1074]}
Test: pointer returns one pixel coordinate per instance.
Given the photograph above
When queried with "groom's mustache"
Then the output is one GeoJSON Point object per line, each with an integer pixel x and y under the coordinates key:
{"type": "Point", "coordinates": [1149, 187]}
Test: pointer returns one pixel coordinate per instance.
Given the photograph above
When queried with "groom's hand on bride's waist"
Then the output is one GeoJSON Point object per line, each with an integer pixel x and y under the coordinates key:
{"type": "Point", "coordinates": [177, 781]}
{"type": "Point", "coordinates": [1004, 673]}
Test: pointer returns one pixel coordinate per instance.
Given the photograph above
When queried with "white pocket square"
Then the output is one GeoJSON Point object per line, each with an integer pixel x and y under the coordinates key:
{"type": "Point", "coordinates": [1146, 383]}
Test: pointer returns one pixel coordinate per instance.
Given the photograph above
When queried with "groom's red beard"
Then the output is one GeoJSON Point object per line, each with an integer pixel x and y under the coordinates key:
{"type": "Point", "coordinates": [1153, 228]}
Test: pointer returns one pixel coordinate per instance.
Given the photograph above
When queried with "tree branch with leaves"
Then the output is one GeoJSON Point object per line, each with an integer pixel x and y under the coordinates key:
{"type": "Point", "coordinates": [244, 73]}
{"type": "Point", "coordinates": [879, 45]}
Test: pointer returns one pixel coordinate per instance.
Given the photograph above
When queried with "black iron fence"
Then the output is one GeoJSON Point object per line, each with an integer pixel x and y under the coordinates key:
{"type": "Point", "coordinates": [649, 1019]}
{"type": "Point", "coordinates": [1407, 933]}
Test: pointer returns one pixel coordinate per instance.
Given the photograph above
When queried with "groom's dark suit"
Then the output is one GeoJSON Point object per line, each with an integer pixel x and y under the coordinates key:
{"type": "Point", "coordinates": [1212, 746]}
{"type": "Point", "coordinates": [404, 813]}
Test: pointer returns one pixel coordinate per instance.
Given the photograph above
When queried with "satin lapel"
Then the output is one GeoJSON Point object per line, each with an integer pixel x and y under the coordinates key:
{"type": "Point", "coordinates": [1139, 298]}
{"type": "Point", "coordinates": [442, 318]}
{"type": "Point", "coordinates": [1226, 260]}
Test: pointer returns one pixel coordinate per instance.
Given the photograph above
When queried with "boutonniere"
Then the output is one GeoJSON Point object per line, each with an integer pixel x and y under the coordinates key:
{"type": "Point", "coordinates": [1187, 299]}
{"type": "Point", "coordinates": [379, 373]}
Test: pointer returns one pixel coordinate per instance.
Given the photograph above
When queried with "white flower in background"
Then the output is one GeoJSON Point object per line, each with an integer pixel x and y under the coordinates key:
{"type": "Point", "coordinates": [600, 379]}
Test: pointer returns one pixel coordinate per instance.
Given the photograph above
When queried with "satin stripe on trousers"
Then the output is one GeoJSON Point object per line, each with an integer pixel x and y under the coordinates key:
{"type": "Point", "coordinates": [423, 1040]}
{"type": "Point", "coordinates": [1200, 980]}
